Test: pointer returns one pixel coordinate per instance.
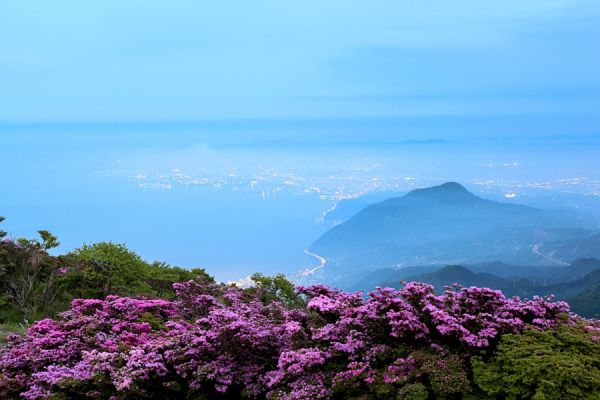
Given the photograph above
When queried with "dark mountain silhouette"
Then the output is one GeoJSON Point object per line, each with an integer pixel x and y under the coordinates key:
{"type": "Point", "coordinates": [533, 275]}
{"type": "Point", "coordinates": [577, 270]}
{"type": "Point", "coordinates": [542, 273]}
{"type": "Point", "coordinates": [587, 302]}
{"type": "Point", "coordinates": [578, 283]}
{"type": "Point", "coordinates": [444, 225]}
{"type": "Point", "coordinates": [461, 275]}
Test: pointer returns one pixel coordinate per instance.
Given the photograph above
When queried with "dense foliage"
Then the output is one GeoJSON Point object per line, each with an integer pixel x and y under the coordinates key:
{"type": "Point", "coordinates": [29, 277]}
{"type": "Point", "coordinates": [555, 364]}
{"type": "Point", "coordinates": [35, 284]}
{"type": "Point", "coordinates": [214, 341]}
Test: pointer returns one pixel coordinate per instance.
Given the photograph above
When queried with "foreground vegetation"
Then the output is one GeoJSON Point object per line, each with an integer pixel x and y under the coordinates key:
{"type": "Point", "coordinates": [34, 284]}
{"type": "Point", "coordinates": [144, 335]}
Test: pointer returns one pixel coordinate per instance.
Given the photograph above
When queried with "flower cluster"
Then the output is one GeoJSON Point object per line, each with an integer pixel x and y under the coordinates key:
{"type": "Point", "coordinates": [216, 341]}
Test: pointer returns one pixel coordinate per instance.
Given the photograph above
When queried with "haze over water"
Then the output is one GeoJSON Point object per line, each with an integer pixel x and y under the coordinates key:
{"type": "Point", "coordinates": [236, 206]}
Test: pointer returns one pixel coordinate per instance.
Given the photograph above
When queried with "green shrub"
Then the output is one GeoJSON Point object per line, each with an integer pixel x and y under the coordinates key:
{"type": "Point", "coordinates": [555, 364]}
{"type": "Point", "coordinates": [446, 374]}
{"type": "Point", "coordinates": [413, 391]}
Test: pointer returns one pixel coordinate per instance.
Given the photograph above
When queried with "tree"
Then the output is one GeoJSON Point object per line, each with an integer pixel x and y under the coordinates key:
{"type": "Point", "coordinates": [3, 264]}
{"type": "Point", "coordinates": [30, 275]}
{"type": "Point", "coordinates": [35, 284]}
{"type": "Point", "coordinates": [2, 233]}
{"type": "Point", "coordinates": [161, 277]}
{"type": "Point", "coordinates": [106, 268]}
{"type": "Point", "coordinates": [276, 288]}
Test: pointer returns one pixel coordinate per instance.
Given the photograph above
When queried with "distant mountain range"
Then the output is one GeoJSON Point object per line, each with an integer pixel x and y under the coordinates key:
{"type": "Point", "coordinates": [445, 225]}
{"type": "Point", "coordinates": [578, 283]}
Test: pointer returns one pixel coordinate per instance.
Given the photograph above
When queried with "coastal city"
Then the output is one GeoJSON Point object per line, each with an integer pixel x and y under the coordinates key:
{"type": "Point", "coordinates": [349, 184]}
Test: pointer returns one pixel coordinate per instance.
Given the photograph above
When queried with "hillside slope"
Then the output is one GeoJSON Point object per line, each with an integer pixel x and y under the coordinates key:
{"type": "Point", "coordinates": [447, 224]}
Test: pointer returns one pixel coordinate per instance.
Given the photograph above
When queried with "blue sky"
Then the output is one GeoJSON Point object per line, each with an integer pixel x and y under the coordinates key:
{"type": "Point", "coordinates": [120, 60]}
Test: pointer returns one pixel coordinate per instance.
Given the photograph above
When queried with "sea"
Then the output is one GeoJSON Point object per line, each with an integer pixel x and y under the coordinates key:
{"type": "Point", "coordinates": [236, 200]}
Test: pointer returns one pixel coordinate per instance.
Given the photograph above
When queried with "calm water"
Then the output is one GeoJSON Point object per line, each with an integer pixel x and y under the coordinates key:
{"type": "Point", "coordinates": [82, 194]}
{"type": "Point", "coordinates": [236, 206]}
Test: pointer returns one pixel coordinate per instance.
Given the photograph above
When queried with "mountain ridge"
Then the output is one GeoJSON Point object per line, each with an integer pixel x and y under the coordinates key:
{"type": "Point", "coordinates": [578, 283]}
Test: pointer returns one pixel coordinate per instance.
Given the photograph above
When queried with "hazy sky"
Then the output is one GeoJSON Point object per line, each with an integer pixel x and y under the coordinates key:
{"type": "Point", "coordinates": [512, 60]}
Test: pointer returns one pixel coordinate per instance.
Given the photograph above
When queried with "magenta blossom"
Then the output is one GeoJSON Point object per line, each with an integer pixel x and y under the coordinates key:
{"type": "Point", "coordinates": [216, 341]}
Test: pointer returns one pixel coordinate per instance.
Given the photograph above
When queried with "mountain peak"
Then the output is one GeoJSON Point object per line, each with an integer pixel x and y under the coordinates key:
{"type": "Point", "coordinates": [455, 270]}
{"type": "Point", "coordinates": [452, 186]}
{"type": "Point", "coordinates": [446, 191]}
